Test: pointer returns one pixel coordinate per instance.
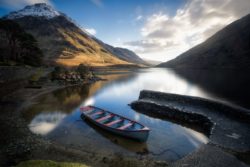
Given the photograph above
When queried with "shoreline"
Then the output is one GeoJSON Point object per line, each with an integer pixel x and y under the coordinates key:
{"type": "Point", "coordinates": [20, 144]}
{"type": "Point", "coordinates": [19, 147]}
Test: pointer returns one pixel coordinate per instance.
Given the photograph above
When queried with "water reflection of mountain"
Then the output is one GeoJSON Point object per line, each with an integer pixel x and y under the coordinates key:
{"type": "Point", "coordinates": [110, 78]}
{"type": "Point", "coordinates": [228, 84]}
{"type": "Point", "coordinates": [67, 99]}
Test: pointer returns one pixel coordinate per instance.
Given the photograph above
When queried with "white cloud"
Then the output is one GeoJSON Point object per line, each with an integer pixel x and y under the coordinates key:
{"type": "Point", "coordinates": [118, 39]}
{"type": "Point", "coordinates": [139, 13]}
{"type": "Point", "coordinates": [92, 31]}
{"type": "Point", "coordinates": [15, 4]}
{"type": "Point", "coordinates": [138, 18]}
{"type": "Point", "coordinates": [192, 24]}
{"type": "Point", "coordinates": [97, 2]}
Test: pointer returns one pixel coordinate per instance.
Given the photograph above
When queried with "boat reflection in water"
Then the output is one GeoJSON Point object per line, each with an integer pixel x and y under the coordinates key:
{"type": "Point", "coordinates": [56, 116]}
{"type": "Point", "coordinates": [131, 145]}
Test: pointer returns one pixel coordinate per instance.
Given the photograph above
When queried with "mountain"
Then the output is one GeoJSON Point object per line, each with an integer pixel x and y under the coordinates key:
{"type": "Point", "coordinates": [62, 41]}
{"type": "Point", "coordinates": [152, 62]}
{"type": "Point", "coordinates": [228, 48]}
{"type": "Point", "coordinates": [37, 10]}
{"type": "Point", "coordinates": [122, 53]}
{"type": "Point", "coordinates": [127, 55]}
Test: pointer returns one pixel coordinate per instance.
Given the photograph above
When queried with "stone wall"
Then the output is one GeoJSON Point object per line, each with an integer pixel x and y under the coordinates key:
{"type": "Point", "coordinates": [239, 113]}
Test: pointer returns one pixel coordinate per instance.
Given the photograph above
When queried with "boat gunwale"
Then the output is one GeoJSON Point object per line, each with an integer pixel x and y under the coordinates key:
{"type": "Point", "coordinates": [123, 130]}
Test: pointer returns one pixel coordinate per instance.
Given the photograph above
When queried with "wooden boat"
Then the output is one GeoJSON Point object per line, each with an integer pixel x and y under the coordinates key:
{"type": "Point", "coordinates": [115, 123]}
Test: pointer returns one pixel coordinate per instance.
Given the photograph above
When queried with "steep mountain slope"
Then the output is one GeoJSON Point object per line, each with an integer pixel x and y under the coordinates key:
{"type": "Point", "coordinates": [60, 39]}
{"type": "Point", "coordinates": [122, 53]}
{"type": "Point", "coordinates": [228, 48]}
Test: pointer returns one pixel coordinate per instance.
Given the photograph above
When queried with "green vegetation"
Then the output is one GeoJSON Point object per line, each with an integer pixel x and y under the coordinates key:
{"type": "Point", "coordinates": [80, 73]}
{"type": "Point", "coordinates": [58, 71]}
{"type": "Point", "coordinates": [83, 70]}
{"type": "Point", "coordinates": [18, 46]}
{"type": "Point", "coordinates": [35, 77]}
{"type": "Point", "coordinates": [48, 163]}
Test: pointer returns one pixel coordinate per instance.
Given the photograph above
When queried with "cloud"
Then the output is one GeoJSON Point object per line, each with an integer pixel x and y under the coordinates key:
{"type": "Point", "coordinates": [97, 2]}
{"type": "Point", "coordinates": [139, 14]}
{"type": "Point", "coordinates": [148, 46]}
{"type": "Point", "coordinates": [92, 31]}
{"type": "Point", "coordinates": [15, 4]}
{"type": "Point", "coordinates": [139, 17]}
{"type": "Point", "coordinates": [191, 25]}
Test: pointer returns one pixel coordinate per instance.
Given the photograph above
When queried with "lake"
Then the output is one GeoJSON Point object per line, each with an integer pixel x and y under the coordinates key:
{"type": "Point", "coordinates": [56, 115]}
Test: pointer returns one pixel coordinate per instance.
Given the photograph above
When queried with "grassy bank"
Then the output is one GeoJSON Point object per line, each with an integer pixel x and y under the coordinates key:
{"type": "Point", "coordinates": [48, 163]}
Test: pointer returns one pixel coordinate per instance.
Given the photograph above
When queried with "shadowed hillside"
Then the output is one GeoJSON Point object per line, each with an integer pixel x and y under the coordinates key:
{"type": "Point", "coordinates": [17, 46]}
{"type": "Point", "coordinates": [228, 48]}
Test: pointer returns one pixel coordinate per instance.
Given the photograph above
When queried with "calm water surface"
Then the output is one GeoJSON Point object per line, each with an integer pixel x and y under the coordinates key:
{"type": "Point", "coordinates": [56, 116]}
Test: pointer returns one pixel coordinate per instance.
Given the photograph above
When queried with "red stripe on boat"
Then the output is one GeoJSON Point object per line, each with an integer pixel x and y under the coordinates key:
{"type": "Point", "coordinates": [97, 113]}
{"type": "Point", "coordinates": [126, 126]}
{"type": "Point", "coordinates": [103, 118]}
{"type": "Point", "coordinates": [113, 122]}
{"type": "Point", "coordinates": [86, 108]}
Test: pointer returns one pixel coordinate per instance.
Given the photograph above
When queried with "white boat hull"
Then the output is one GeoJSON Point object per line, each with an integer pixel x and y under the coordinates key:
{"type": "Point", "coordinates": [141, 135]}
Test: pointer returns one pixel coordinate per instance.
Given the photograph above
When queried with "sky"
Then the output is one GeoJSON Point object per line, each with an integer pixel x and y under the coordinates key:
{"type": "Point", "coordinates": [154, 29]}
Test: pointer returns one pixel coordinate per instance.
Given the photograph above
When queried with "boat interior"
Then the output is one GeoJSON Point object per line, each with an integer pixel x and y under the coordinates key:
{"type": "Point", "coordinates": [110, 120]}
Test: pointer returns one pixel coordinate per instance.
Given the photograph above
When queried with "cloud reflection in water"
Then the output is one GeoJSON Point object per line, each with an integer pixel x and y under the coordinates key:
{"type": "Point", "coordinates": [44, 123]}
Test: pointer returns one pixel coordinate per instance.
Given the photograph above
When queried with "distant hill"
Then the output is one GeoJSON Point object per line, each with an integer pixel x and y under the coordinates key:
{"type": "Point", "coordinates": [152, 62]}
{"type": "Point", "coordinates": [17, 46]}
{"type": "Point", "coordinates": [122, 53]}
{"type": "Point", "coordinates": [228, 48]}
{"type": "Point", "coordinates": [63, 42]}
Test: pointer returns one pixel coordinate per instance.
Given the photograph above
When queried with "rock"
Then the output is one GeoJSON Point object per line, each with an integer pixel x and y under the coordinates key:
{"type": "Point", "coordinates": [104, 159]}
